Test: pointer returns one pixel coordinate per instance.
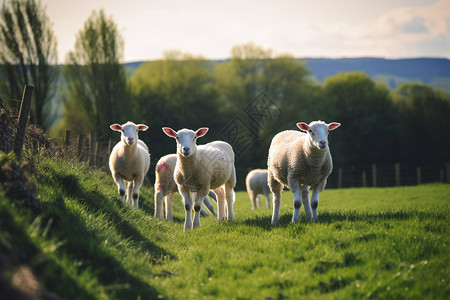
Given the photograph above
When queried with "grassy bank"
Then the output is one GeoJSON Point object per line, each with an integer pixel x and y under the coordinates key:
{"type": "Point", "coordinates": [383, 243]}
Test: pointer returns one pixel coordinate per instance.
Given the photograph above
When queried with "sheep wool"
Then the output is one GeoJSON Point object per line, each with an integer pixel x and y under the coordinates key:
{"type": "Point", "coordinates": [203, 168]}
{"type": "Point", "coordinates": [299, 161]}
{"type": "Point", "coordinates": [129, 161]}
{"type": "Point", "coordinates": [165, 187]}
{"type": "Point", "coordinates": [256, 184]}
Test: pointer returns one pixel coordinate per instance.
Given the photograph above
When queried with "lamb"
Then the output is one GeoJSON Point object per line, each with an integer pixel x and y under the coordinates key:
{"type": "Point", "coordinates": [256, 183]}
{"type": "Point", "coordinates": [129, 161]}
{"type": "Point", "coordinates": [165, 187]}
{"type": "Point", "coordinates": [300, 161]}
{"type": "Point", "coordinates": [203, 168]}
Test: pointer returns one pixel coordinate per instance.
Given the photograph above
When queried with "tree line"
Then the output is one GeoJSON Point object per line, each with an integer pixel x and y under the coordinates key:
{"type": "Point", "coordinates": [245, 100]}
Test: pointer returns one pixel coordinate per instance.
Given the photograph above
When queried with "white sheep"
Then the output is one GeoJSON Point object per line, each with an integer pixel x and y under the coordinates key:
{"type": "Point", "coordinates": [300, 161]}
{"type": "Point", "coordinates": [129, 161]}
{"type": "Point", "coordinates": [256, 183]}
{"type": "Point", "coordinates": [165, 187]}
{"type": "Point", "coordinates": [203, 168]}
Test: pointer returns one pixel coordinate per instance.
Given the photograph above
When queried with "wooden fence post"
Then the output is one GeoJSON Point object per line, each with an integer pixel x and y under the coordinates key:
{"type": "Point", "coordinates": [364, 179]}
{"type": "Point", "coordinates": [24, 114]}
{"type": "Point", "coordinates": [67, 138]}
{"type": "Point", "coordinates": [110, 146]}
{"type": "Point", "coordinates": [397, 174]}
{"type": "Point", "coordinates": [339, 178]}
{"type": "Point", "coordinates": [419, 175]}
{"type": "Point", "coordinates": [96, 154]}
{"type": "Point", "coordinates": [447, 167]}
{"type": "Point", "coordinates": [91, 148]}
{"type": "Point", "coordinates": [374, 175]}
{"type": "Point", "coordinates": [80, 141]}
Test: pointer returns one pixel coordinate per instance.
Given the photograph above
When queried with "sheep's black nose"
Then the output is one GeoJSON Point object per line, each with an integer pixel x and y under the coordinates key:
{"type": "Point", "coordinates": [185, 149]}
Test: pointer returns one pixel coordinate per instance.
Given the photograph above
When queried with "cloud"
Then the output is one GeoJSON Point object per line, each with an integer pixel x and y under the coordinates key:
{"type": "Point", "coordinates": [401, 32]}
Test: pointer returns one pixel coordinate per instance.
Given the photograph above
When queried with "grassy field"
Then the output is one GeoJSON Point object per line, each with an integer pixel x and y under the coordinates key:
{"type": "Point", "coordinates": [375, 243]}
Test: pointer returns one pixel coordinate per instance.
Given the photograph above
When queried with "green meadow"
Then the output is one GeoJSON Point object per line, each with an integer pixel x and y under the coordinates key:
{"type": "Point", "coordinates": [369, 243]}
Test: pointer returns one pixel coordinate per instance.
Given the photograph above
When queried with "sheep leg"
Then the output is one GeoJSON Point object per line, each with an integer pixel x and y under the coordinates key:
{"type": "Point", "coordinates": [305, 198]}
{"type": "Point", "coordinates": [253, 200]}
{"type": "Point", "coordinates": [168, 203]}
{"type": "Point", "coordinates": [138, 181]}
{"type": "Point", "coordinates": [229, 196]}
{"type": "Point", "coordinates": [129, 193]}
{"type": "Point", "coordinates": [185, 194]}
{"type": "Point", "coordinates": [120, 185]}
{"type": "Point", "coordinates": [159, 195]}
{"type": "Point", "coordinates": [294, 186]}
{"type": "Point", "coordinates": [315, 198]}
{"type": "Point", "coordinates": [220, 203]}
{"type": "Point", "coordinates": [258, 201]}
{"type": "Point", "coordinates": [209, 205]}
{"type": "Point", "coordinates": [198, 207]}
{"type": "Point", "coordinates": [277, 190]}
{"type": "Point", "coordinates": [267, 200]}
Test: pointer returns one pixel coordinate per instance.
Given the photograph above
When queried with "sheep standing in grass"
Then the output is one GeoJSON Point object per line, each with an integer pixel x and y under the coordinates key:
{"type": "Point", "coordinates": [165, 187]}
{"type": "Point", "coordinates": [256, 183]}
{"type": "Point", "coordinates": [203, 168]}
{"type": "Point", "coordinates": [299, 161]}
{"type": "Point", "coordinates": [129, 161]}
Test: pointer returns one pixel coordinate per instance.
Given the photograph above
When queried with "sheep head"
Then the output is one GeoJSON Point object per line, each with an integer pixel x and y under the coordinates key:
{"type": "Point", "coordinates": [318, 132]}
{"type": "Point", "coordinates": [129, 132]}
{"type": "Point", "coordinates": [186, 139]}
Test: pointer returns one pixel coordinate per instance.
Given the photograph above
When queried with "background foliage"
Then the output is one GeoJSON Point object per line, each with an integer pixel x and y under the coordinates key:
{"type": "Point", "coordinates": [28, 57]}
{"type": "Point", "coordinates": [379, 125]}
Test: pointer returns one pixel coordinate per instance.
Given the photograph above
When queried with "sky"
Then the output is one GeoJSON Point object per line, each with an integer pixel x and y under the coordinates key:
{"type": "Point", "coordinates": [302, 28]}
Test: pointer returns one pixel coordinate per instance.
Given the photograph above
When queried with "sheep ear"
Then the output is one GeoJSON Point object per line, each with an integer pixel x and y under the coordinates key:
{"type": "Point", "coordinates": [333, 125]}
{"type": "Point", "coordinates": [201, 132]}
{"type": "Point", "coordinates": [170, 132]}
{"type": "Point", "coordinates": [303, 126]}
{"type": "Point", "coordinates": [116, 127]}
{"type": "Point", "coordinates": [142, 127]}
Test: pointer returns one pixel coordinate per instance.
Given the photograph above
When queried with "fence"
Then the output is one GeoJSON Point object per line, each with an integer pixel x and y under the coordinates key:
{"type": "Point", "coordinates": [374, 175]}
{"type": "Point", "coordinates": [88, 148]}
{"type": "Point", "coordinates": [389, 174]}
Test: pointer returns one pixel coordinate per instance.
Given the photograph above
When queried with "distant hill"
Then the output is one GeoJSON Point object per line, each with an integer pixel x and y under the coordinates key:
{"type": "Point", "coordinates": [393, 72]}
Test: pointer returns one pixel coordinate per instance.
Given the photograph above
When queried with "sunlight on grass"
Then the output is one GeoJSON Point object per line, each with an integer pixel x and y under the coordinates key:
{"type": "Point", "coordinates": [369, 243]}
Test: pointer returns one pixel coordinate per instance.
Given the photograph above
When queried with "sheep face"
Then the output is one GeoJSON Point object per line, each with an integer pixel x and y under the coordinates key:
{"type": "Point", "coordinates": [186, 139]}
{"type": "Point", "coordinates": [129, 132]}
{"type": "Point", "coordinates": [318, 132]}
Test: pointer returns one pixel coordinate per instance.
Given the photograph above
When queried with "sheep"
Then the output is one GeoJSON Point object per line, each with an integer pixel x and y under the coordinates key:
{"type": "Point", "coordinates": [300, 161]}
{"type": "Point", "coordinates": [165, 187]}
{"type": "Point", "coordinates": [129, 161]}
{"type": "Point", "coordinates": [203, 168]}
{"type": "Point", "coordinates": [256, 183]}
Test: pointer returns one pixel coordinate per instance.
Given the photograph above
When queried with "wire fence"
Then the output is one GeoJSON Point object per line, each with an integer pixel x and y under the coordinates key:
{"type": "Point", "coordinates": [388, 174]}
{"type": "Point", "coordinates": [364, 175]}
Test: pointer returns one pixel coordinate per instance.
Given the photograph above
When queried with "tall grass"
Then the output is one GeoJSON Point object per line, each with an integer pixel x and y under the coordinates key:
{"type": "Point", "coordinates": [375, 243]}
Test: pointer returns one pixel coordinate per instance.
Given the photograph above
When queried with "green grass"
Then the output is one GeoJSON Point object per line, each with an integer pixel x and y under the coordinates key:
{"type": "Point", "coordinates": [375, 243]}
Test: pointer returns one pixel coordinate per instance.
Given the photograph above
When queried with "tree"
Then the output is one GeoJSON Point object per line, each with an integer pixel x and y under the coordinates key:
{"type": "Point", "coordinates": [178, 92]}
{"type": "Point", "coordinates": [424, 119]}
{"type": "Point", "coordinates": [285, 82]}
{"type": "Point", "coordinates": [95, 79]}
{"type": "Point", "coordinates": [239, 80]}
{"type": "Point", "coordinates": [369, 132]}
{"type": "Point", "coordinates": [28, 56]}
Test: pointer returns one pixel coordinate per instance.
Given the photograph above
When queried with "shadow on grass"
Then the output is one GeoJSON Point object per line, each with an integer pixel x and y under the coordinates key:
{"type": "Point", "coordinates": [19, 250]}
{"type": "Point", "coordinates": [327, 217]}
{"type": "Point", "coordinates": [87, 248]}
